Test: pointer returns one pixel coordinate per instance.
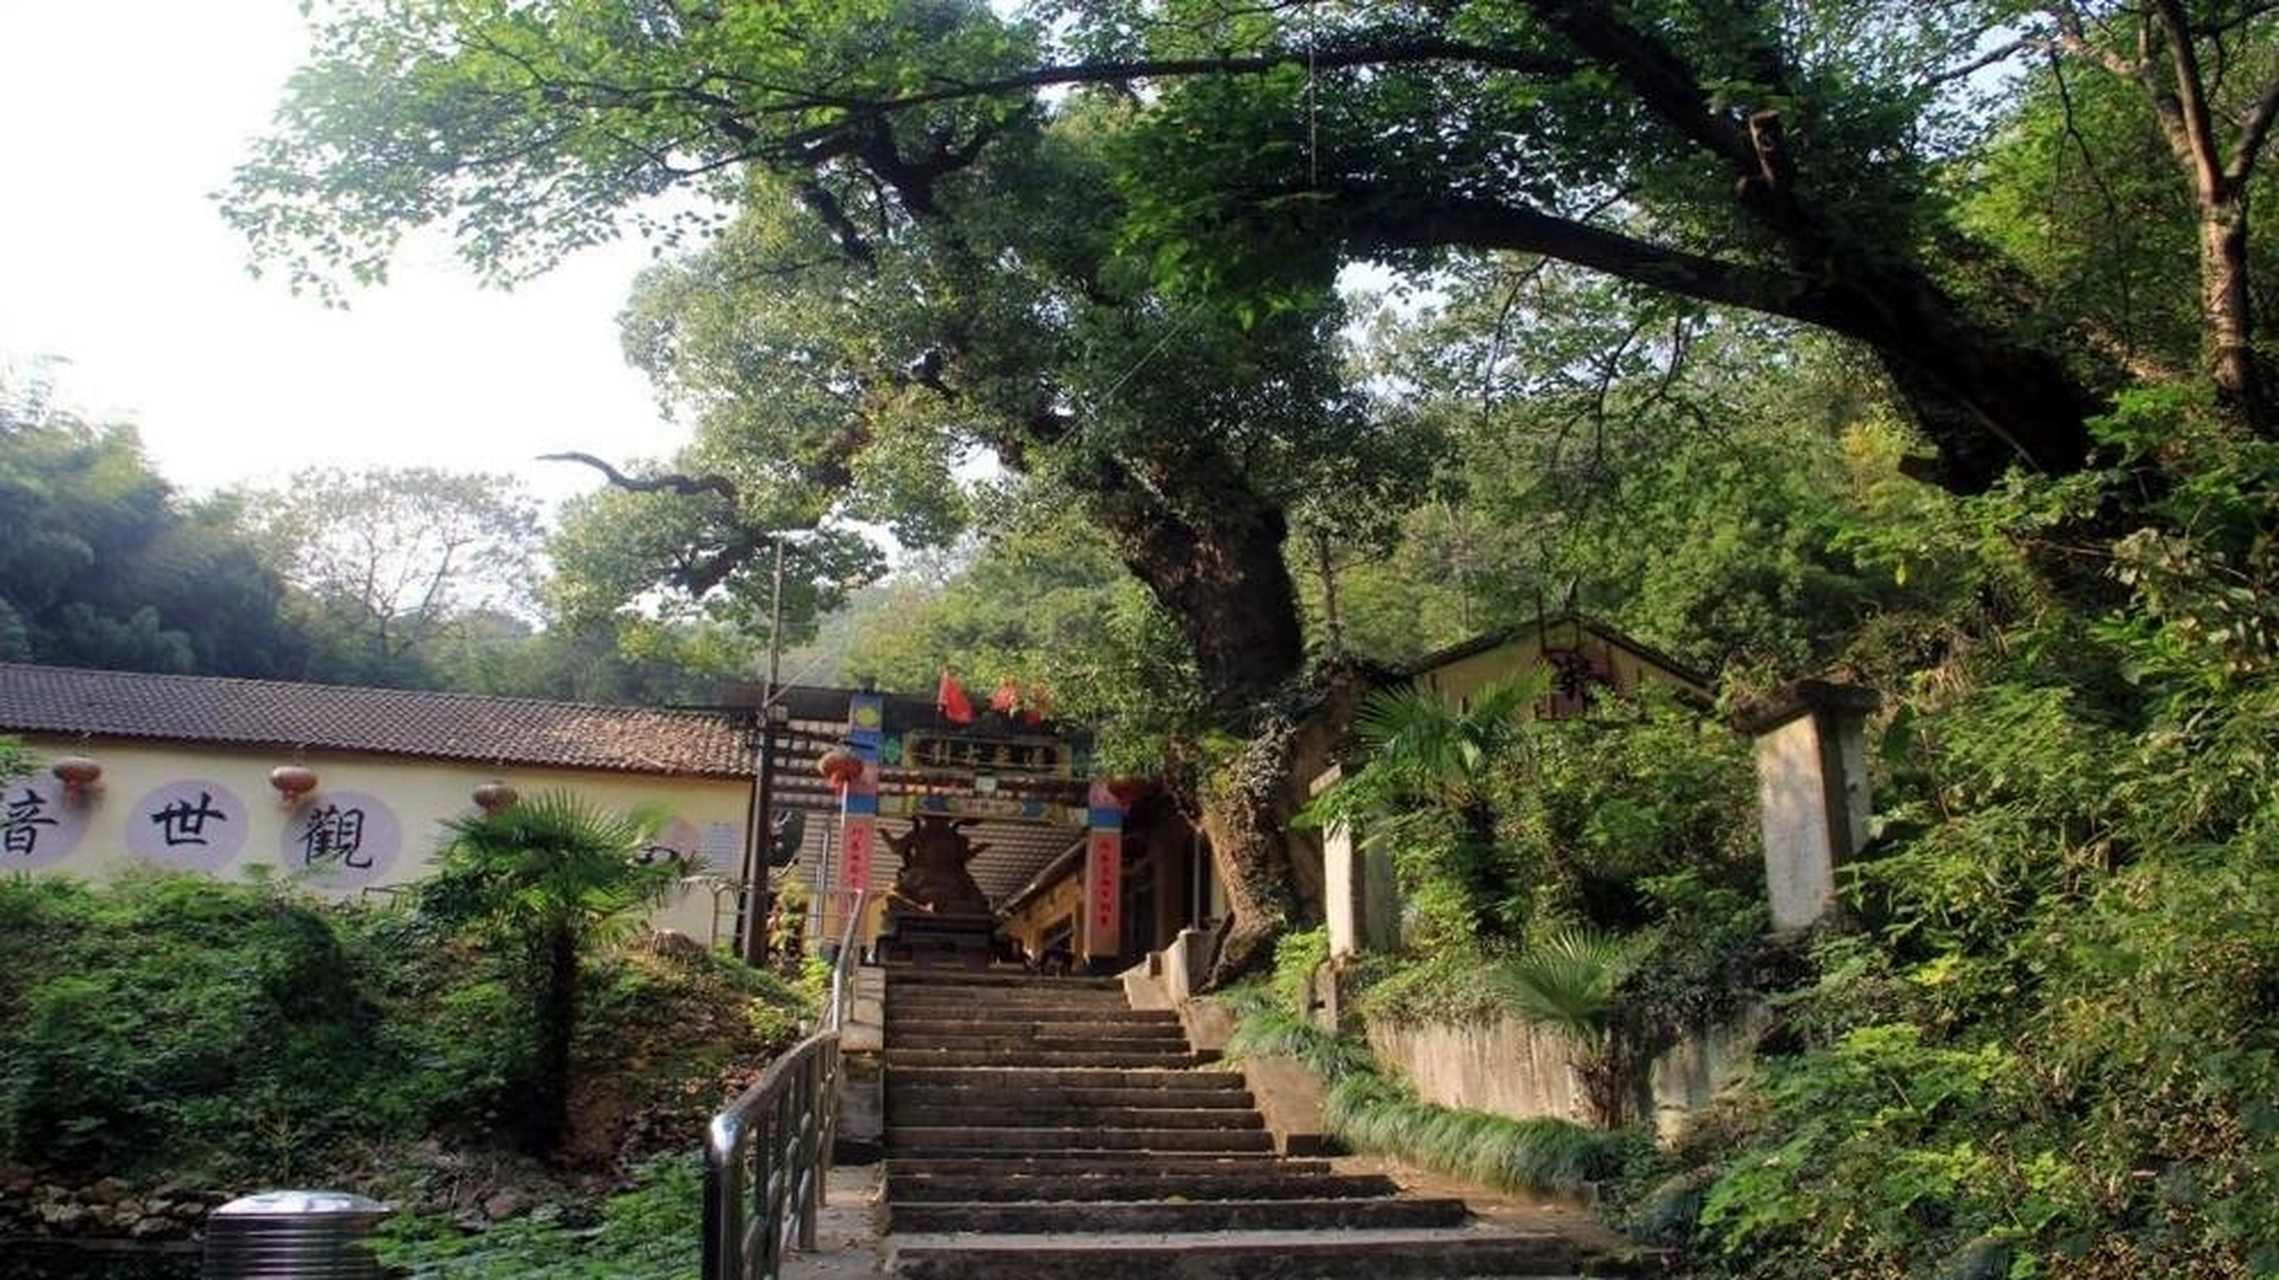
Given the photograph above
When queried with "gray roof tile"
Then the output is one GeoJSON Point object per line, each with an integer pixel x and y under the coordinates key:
{"type": "Point", "coordinates": [400, 722]}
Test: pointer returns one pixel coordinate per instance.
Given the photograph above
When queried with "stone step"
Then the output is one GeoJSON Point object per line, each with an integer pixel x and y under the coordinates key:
{"type": "Point", "coordinates": [1028, 1058]}
{"type": "Point", "coordinates": [970, 1140]}
{"type": "Point", "coordinates": [916, 978]}
{"type": "Point", "coordinates": [897, 1007]}
{"type": "Point", "coordinates": [1260, 1181]}
{"type": "Point", "coordinates": [1073, 1164]}
{"type": "Point", "coordinates": [949, 1019]}
{"type": "Point", "coordinates": [1280, 1255]}
{"type": "Point", "coordinates": [968, 1023]}
{"type": "Point", "coordinates": [1173, 1215]}
{"type": "Point", "coordinates": [990, 998]}
{"type": "Point", "coordinates": [1044, 1097]}
{"type": "Point", "coordinates": [1040, 1078]}
{"type": "Point", "coordinates": [1074, 1037]}
{"type": "Point", "coordinates": [901, 1114]}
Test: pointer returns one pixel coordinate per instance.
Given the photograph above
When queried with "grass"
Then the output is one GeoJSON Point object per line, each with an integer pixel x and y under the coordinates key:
{"type": "Point", "coordinates": [1376, 1113]}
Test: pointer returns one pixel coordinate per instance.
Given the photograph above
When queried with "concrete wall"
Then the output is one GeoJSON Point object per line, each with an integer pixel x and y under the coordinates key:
{"type": "Point", "coordinates": [1508, 1067]}
{"type": "Point", "coordinates": [383, 814]}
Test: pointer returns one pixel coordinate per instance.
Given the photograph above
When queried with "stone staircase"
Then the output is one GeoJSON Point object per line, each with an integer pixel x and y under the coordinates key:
{"type": "Point", "coordinates": [1041, 1128]}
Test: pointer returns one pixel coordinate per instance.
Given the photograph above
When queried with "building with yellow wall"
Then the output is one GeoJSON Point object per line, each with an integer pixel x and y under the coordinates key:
{"type": "Point", "coordinates": [1583, 656]}
{"type": "Point", "coordinates": [190, 767]}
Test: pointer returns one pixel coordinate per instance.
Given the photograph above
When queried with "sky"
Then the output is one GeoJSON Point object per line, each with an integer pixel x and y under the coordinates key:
{"type": "Point", "coordinates": [117, 121]}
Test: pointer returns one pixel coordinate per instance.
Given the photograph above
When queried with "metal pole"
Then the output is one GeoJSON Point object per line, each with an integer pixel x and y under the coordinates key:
{"type": "Point", "coordinates": [756, 934]}
{"type": "Point", "coordinates": [775, 621]}
{"type": "Point", "coordinates": [756, 893]}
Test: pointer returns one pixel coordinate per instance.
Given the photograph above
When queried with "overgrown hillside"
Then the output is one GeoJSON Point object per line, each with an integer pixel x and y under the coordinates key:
{"type": "Point", "coordinates": [169, 1041]}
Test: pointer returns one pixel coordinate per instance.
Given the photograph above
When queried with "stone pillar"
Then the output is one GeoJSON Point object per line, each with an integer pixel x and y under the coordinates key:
{"type": "Point", "coordinates": [1361, 901]}
{"type": "Point", "coordinates": [1812, 791]}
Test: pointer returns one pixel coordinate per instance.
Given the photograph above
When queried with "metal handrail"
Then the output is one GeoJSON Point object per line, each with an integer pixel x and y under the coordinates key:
{"type": "Point", "coordinates": [766, 1155]}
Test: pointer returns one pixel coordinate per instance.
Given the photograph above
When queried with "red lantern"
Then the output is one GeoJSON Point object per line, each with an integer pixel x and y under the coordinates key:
{"type": "Point", "coordinates": [292, 782]}
{"type": "Point", "coordinates": [841, 766]}
{"type": "Point", "coordinates": [495, 795]}
{"type": "Point", "coordinates": [77, 773]}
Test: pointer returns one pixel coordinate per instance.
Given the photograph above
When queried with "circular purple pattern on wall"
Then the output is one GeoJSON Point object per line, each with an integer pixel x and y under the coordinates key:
{"type": "Point", "coordinates": [341, 839]}
{"type": "Point", "coordinates": [39, 824]}
{"type": "Point", "coordinates": [190, 825]}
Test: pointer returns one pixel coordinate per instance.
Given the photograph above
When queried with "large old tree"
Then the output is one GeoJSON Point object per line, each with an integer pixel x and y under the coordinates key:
{"type": "Point", "coordinates": [1100, 240]}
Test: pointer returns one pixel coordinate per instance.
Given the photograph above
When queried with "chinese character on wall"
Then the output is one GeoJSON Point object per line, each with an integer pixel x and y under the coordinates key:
{"type": "Point", "coordinates": [343, 840]}
{"type": "Point", "coordinates": [23, 821]}
{"type": "Point", "coordinates": [192, 824]}
{"type": "Point", "coordinates": [184, 822]}
{"type": "Point", "coordinates": [40, 824]}
{"type": "Point", "coordinates": [332, 834]}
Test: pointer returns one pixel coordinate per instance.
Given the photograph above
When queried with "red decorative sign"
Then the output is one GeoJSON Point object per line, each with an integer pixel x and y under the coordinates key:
{"type": "Point", "coordinates": [856, 839]}
{"type": "Point", "coordinates": [1104, 890]}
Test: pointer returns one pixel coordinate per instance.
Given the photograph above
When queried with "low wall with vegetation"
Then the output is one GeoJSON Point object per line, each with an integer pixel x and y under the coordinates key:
{"type": "Point", "coordinates": [1508, 1067]}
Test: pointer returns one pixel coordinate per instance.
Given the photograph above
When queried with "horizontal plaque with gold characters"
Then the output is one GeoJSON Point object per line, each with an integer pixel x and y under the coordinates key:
{"type": "Point", "coordinates": [1018, 756]}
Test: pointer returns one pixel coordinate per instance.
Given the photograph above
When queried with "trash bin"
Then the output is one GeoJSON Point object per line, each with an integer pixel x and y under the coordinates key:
{"type": "Point", "coordinates": [293, 1235]}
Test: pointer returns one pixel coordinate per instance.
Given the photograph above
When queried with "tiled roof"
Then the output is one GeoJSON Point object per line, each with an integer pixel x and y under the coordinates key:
{"type": "Point", "coordinates": [398, 722]}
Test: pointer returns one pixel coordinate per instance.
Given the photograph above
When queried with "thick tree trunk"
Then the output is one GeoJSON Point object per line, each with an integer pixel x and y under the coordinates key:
{"type": "Point", "coordinates": [1246, 819]}
{"type": "Point", "coordinates": [1217, 567]}
{"type": "Point", "coordinates": [1222, 578]}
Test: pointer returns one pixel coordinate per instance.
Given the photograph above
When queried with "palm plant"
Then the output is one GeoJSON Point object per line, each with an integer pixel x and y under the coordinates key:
{"type": "Point", "coordinates": [1430, 761]}
{"type": "Point", "coordinates": [540, 880]}
{"type": "Point", "coordinates": [1571, 982]}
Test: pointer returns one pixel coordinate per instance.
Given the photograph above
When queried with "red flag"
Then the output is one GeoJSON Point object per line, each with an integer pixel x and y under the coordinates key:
{"type": "Point", "coordinates": [1007, 699]}
{"type": "Point", "coordinates": [951, 700]}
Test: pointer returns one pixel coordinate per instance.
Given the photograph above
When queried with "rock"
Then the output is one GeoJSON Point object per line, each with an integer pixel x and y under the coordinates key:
{"type": "Point", "coordinates": [62, 1217]}
{"type": "Point", "coordinates": [107, 1191]}
{"type": "Point", "coordinates": [150, 1228]}
{"type": "Point", "coordinates": [505, 1203]}
{"type": "Point", "coordinates": [158, 1206]}
{"type": "Point", "coordinates": [1984, 1258]}
{"type": "Point", "coordinates": [675, 946]}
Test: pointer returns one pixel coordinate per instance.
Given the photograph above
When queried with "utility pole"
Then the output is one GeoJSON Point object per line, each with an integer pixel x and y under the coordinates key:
{"type": "Point", "coordinates": [772, 713]}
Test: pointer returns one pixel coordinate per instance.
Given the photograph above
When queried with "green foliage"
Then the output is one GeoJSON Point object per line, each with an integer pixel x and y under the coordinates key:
{"type": "Point", "coordinates": [178, 1027]}
{"type": "Point", "coordinates": [1299, 956]}
{"type": "Point", "coordinates": [1269, 1032]}
{"type": "Point", "coordinates": [1448, 984]}
{"type": "Point", "coordinates": [102, 565]}
{"type": "Point", "coordinates": [180, 1024]}
{"type": "Point", "coordinates": [1373, 1112]}
{"type": "Point", "coordinates": [1569, 980]}
{"type": "Point", "coordinates": [651, 1230]}
{"type": "Point", "coordinates": [1043, 602]}
{"type": "Point", "coordinates": [1890, 1136]}
{"type": "Point", "coordinates": [1376, 1114]}
{"type": "Point", "coordinates": [538, 881]}
{"type": "Point", "coordinates": [2051, 1031]}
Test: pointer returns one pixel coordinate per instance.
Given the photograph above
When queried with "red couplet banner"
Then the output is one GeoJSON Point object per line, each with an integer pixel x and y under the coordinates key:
{"type": "Point", "coordinates": [856, 839]}
{"type": "Point", "coordinates": [1104, 890]}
